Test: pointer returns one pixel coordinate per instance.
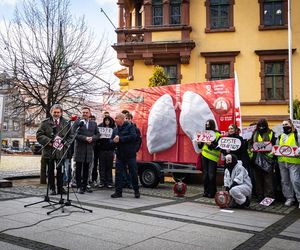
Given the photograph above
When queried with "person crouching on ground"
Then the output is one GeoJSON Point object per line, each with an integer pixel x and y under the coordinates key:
{"type": "Point", "coordinates": [237, 182]}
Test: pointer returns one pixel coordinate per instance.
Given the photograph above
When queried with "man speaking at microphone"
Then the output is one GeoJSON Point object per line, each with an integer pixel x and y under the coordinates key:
{"type": "Point", "coordinates": [86, 132]}
{"type": "Point", "coordinates": [54, 134]}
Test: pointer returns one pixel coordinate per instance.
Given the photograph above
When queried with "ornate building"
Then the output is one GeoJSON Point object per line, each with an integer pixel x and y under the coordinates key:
{"type": "Point", "coordinates": [200, 40]}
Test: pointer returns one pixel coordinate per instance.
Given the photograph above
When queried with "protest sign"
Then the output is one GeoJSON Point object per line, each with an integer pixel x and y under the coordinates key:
{"type": "Point", "coordinates": [264, 146]}
{"type": "Point", "coordinates": [205, 136]}
{"type": "Point", "coordinates": [285, 150]}
{"type": "Point", "coordinates": [229, 143]}
{"type": "Point", "coordinates": [105, 132]}
{"type": "Point", "coordinates": [57, 143]}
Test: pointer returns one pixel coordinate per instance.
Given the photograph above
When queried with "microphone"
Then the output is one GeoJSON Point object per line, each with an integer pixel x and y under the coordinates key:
{"type": "Point", "coordinates": [81, 123]}
{"type": "Point", "coordinates": [73, 118]}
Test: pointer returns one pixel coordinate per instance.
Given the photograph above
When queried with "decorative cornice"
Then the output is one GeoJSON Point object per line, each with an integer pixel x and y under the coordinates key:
{"type": "Point", "coordinates": [219, 53]}
{"type": "Point", "coordinates": [267, 117]}
{"type": "Point", "coordinates": [273, 52]}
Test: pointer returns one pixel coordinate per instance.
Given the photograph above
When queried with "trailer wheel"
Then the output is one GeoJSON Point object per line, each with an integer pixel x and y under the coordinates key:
{"type": "Point", "coordinates": [149, 177]}
{"type": "Point", "coordinates": [186, 178]}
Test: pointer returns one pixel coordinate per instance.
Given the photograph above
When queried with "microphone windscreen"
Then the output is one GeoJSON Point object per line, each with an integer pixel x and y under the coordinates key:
{"type": "Point", "coordinates": [73, 118]}
{"type": "Point", "coordinates": [81, 123]}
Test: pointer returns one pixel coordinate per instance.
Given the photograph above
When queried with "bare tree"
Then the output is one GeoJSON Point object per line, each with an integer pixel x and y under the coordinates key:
{"type": "Point", "coordinates": [52, 57]}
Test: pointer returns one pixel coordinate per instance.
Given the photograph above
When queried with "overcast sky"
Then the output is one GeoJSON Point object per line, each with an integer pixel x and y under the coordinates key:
{"type": "Point", "coordinates": [94, 18]}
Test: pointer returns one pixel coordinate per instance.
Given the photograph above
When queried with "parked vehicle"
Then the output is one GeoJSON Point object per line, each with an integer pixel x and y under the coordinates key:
{"type": "Point", "coordinates": [169, 118]}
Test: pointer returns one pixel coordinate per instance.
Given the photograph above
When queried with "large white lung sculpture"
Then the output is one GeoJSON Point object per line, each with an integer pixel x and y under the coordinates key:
{"type": "Point", "coordinates": [194, 113]}
{"type": "Point", "coordinates": [161, 133]}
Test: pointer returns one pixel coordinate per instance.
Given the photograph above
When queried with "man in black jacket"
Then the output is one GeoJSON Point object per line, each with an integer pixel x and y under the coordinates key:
{"type": "Point", "coordinates": [124, 137]}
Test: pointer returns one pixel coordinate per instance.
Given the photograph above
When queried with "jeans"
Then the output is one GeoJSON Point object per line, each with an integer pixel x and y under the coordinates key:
{"type": "Point", "coordinates": [132, 167]}
{"type": "Point", "coordinates": [290, 179]}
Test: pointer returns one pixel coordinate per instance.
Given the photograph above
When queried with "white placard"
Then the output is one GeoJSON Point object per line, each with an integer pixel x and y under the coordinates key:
{"type": "Point", "coordinates": [229, 143]}
{"type": "Point", "coordinates": [57, 143]}
{"type": "Point", "coordinates": [205, 136]}
{"type": "Point", "coordinates": [284, 150]}
{"type": "Point", "coordinates": [248, 131]}
{"type": "Point", "coordinates": [267, 201]}
{"type": "Point", "coordinates": [264, 146]}
{"type": "Point", "coordinates": [296, 123]}
{"type": "Point", "coordinates": [105, 132]}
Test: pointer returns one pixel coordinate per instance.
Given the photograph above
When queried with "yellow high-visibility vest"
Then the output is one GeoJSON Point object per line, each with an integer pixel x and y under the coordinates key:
{"type": "Point", "coordinates": [291, 141]}
{"type": "Point", "coordinates": [211, 154]}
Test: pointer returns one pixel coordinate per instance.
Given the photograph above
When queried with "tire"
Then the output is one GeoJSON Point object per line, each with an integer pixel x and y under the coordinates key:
{"type": "Point", "coordinates": [186, 178]}
{"type": "Point", "coordinates": [149, 177]}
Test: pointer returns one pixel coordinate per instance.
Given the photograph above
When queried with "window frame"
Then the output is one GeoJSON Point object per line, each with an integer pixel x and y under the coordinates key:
{"type": "Point", "coordinates": [274, 56]}
{"type": "Point", "coordinates": [162, 10]}
{"type": "Point", "coordinates": [179, 3]}
{"type": "Point", "coordinates": [224, 57]}
{"type": "Point", "coordinates": [262, 26]}
{"type": "Point", "coordinates": [230, 28]}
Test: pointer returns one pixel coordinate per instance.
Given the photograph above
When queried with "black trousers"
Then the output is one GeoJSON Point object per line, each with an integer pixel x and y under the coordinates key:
{"type": "Point", "coordinates": [82, 174]}
{"type": "Point", "coordinates": [209, 176]}
{"type": "Point", "coordinates": [96, 164]}
{"type": "Point", "coordinates": [105, 167]}
{"type": "Point", "coordinates": [51, 163]}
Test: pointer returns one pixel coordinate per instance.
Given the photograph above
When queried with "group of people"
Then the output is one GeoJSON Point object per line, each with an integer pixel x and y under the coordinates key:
{"type": "Point", "coordinates": [253, 171]}
{"type": "Point", "coordinates": [93, 149]}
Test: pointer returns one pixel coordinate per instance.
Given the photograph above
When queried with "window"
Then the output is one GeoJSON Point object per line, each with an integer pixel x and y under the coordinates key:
{"type": "Point", "coordinates": [273, 14]}
{"type": "Point", "coordinates": [16, 126]}
{"type": "Point", "coordinates": [219, 65]}
{"type": "Point", "coordinates": [5, 126]}
{"type": "Point", "coordinates": [219, 15]}
{"type": "Point", "coordinates": [157, 12]}
{"type": "Point", "coordinates": [220, 71]}
{"type": "Point", "coordinates": [171, 72]}
{"type": "Point", "coordinates": [175, 11]}
{"type": "Point", "coordinates": [274, 74]}
{"type": "Point", "coordinates": [274, 80]}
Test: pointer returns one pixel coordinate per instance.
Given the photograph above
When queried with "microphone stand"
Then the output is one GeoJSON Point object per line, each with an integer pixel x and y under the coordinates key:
{"type": "Point", "coordinates": [50, 161]}
{"type": "Point", "coordinates": [68, 201]}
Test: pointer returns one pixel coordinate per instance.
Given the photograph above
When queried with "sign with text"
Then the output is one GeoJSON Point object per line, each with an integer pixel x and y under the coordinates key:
{"type": "Point", "coordinates": [105, 132]}
{"type": "Point", "coordinates": [57, 143]}
{"type": "Point", "coordinates": [229, 143]}
{"type": "Point", "coordinates": [285, 150]}
{"type": "Point", "coordinates": [205, 136]}
{"type": "Point", "coordinates": [248, 131]}
{"type": "Point", "coordinates": [264, 146]}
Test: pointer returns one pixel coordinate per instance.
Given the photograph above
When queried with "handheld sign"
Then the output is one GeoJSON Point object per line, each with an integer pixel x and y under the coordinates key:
{"type": "Point", "coordinates": [248, 131]}
{"type": "Point", "coordinates": [57, 143]}
{"type": "Point", "coordinates": [205, 136]}
{"type": "Point", "coordinates": [267, 201]}
{"type": "Point", "coordinates": [264, 146]}
{"type": "Point", "coordinates": [105, 132]}
{"type": "Point", "coordinates": [229, 143]}
{"type": "Point", "coordinates": [284, 150]}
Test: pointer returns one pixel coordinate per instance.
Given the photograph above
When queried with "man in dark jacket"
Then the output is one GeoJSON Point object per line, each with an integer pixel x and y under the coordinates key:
{"type": "Point", "coordinates": [86, 133]}
{"type": "Point", "coordinates": [55, 135]}
{"type": "Point", "coordinates": [124, 137]}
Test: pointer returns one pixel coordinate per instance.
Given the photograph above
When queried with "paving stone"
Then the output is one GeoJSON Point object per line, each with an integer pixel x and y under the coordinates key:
{"type": "Point", "coordinates": [293, 230]}
{"type": "Point", "coordinates": [203, 237]}
{"type": "Point", "coordinates": [155, 243]}
{"type": "Point", "coordinates": [281, 244]}
{"type": "Point", "coordinates": [7, 246]}
{"type": "Point", "coordinates": [211, 214]}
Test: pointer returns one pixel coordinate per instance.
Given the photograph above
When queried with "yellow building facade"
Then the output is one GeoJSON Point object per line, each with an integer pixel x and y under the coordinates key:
{"type": "Point", "coordinates": [200, 40]}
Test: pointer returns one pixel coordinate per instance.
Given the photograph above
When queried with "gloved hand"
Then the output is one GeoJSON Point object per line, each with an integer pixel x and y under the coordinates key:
{"type": "Point", "coordinates": [233, 185]}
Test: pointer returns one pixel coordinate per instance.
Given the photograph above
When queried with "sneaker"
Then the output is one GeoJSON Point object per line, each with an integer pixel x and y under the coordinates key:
{"type": "Point", "coordinates": [137, 194]}
{"type": "Point", "coordinates": [116, 195]}
{"type": "Point", "coordinates": [299, 206]}
{"type": "Point", "coordinates": [109, 186]}
{"type": "Point", "coordinates": [52, 192]}
{"type": "Point", "coordinates": [101, 185]}
{"type": "Point", "coordinates": [88, 190]}
{"type": "Point", "coordinates": [289, 202]}
{"type": "Point", "coordinates": [80, 191]}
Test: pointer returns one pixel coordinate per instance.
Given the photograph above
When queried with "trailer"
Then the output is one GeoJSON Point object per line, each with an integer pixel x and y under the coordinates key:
{"type": "Point", "coordinates": [169, 118]}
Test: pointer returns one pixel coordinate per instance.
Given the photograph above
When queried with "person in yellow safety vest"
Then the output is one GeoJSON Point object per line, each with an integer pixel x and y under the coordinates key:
{"type": "Point", "coordinates": [263, 180]}
{"type": "Point", "coordinates": [290, 165]}
{"type": "Point", "coordinates": [210, 158]}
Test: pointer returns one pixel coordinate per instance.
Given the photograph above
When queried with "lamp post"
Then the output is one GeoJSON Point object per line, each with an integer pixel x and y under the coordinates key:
{"type": "Point", "coordinates": [290, 60]}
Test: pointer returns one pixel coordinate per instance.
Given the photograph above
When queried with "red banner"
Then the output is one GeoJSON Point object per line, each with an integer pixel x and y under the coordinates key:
{"type": "Point", "coordinates": [191, 105]}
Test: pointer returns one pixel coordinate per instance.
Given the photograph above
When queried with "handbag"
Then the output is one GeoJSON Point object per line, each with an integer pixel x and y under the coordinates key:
{"type": "Point", "coordinates": [264, 162]}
